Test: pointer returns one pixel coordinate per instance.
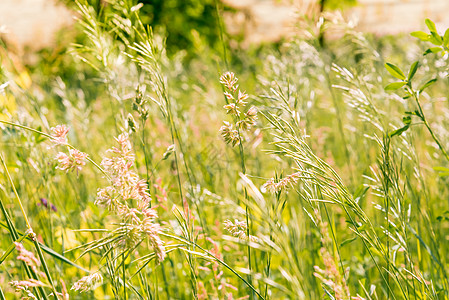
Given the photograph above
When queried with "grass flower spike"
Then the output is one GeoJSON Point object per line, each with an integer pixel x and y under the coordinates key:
{"type": "Point", "coordinates": [243, 121]}
{"type": "Point", "coordinates": [129, 199]}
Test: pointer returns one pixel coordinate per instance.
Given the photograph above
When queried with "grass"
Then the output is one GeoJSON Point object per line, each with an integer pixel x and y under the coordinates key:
{"type": "Point", "coordinates": [316, 177]}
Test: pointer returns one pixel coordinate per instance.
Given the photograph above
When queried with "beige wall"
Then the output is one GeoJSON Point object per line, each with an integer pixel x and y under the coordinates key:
{"type": "Point", "coordinates": [393, 16]}
{"type": "Point", "coordinates": [269, 20]}
{"type": "Point", "coordinates": [31, 23]}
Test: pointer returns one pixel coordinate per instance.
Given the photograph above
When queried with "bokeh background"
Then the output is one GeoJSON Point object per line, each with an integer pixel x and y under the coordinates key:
{"type": "Point", "coordinates": [33, 24]}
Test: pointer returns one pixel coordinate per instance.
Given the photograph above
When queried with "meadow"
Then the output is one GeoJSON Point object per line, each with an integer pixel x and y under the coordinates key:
{"type": "Point", "coordinates": [315, 168]}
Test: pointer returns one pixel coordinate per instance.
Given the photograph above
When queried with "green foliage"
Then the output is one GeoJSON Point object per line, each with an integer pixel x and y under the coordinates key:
{"type": "Point", "coordinates": [182, 22]}
{"type": "Point", "coordinates": [180, 18]}
{"type": "Point", "coordinates": [333, 190]}
{"type": "Point", "coordinates": [338, 4]}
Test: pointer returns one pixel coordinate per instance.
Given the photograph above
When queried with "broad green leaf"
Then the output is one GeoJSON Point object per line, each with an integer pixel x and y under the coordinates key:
{"type": "Point", "coordinates": [436, 39]}
{"type": "Point", "coordinates": [427, 84]}
{"type": "Point", "coordinates": [420, 35]}
{"type": "Point", "coordinates": [394, 86]}
{"type": "Point", "coordinates": [433, 50]}
{"type": "Point", "coordinates": [395, 71]}
{"type": "Point", "coordinates": [431, 25]}
{"type": "Point", "coordinates": [446, 38]}
{"type": "Point", "coordinates": [413, 70]}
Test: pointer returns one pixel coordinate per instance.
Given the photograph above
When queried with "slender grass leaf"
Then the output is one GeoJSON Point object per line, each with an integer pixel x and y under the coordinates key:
{"type": "Point", "coordinates": [345, 242]}
{"type": "Point", "coordinates": [421, 241]}
{"type": "Point", "coordinates": [50, 251]}
{"type": "Point", "coordinates": [440, 169]}
{"type": "Point", "coordinates": [328, 294]}
{"type": "Point", "coordinates": [11, 248]}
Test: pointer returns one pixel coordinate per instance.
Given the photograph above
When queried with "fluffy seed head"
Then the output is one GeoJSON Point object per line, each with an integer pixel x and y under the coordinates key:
{"type": "Point", "coordinates": [75, 160]}
{"type": "Point", "coordinates": [229, 134]}
{"type": "Point", "coordinates": [229, 80]}
{"type": "Point", "coordinates": [88, 282]}
{"type": "Point", "coordinates": [232, 109]}
{"type": "Point", "coordinates": [27, 257]}
{"type": "Point", "coordinates": [59, 135]}
{"type": "Point", "coordinates": [238, 229]}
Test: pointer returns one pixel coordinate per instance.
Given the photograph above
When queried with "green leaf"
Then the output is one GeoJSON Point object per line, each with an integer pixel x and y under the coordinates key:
{"type": "Point", "coordinates": [399, 131]}
{"type": "Point", "coordinates": [407, 120]}
{"type": "Point", "coordinates": [7, 253]}
{"type": "Point", "coordinates": [433, 50]}
{"type": "Point", "coordinates": [394, 86]}
{"type": "Point", "coordinates": [431, 25]}
{"type": "Point", "coordinates": [420, 35]}
{"type": "Point", "coordinates": [331, 297]}
{"type": "Point", "coordinates": [427, 84]}
{"type": "Point", "coordinates": [446, 38]}
{"type": "Point", "coordinates": [436, 39]}
{"type": "Point", "coordinates": [413, 70]}
{"type": "Point", "coordinates": [47, 249]}
{"type": "Point", "coordinates": [395, 71]}
{"type": "Point", "coordinates": [441, 169]}
{"type": "Point", "coordinates": [364, 227]}
{"type": "Point", "coordinates": [414, 113]}
{"type": "Point", "coordinates": [360, 193]}
{"type": "Point", "coordinates": [348, 241]}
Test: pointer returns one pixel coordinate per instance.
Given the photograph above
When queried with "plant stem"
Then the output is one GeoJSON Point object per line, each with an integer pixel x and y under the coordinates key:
{"type": "Point", "coordinates": [423, 118]}
{"type": "Point", "coordinates": [30, 229]}
{"type": "Point", "coordinates": [51, 137]}
{"type": "Point", "coordinates": [217, 259]}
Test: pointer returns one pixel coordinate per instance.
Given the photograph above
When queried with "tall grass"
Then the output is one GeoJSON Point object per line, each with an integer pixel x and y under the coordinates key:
{"type": "Point", "coordinates": [292, 174]}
